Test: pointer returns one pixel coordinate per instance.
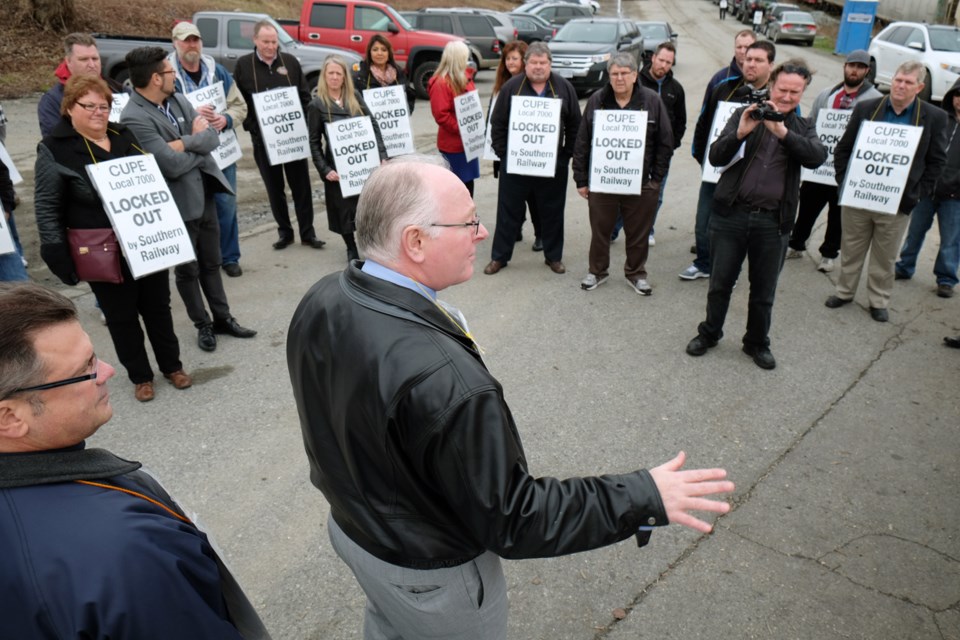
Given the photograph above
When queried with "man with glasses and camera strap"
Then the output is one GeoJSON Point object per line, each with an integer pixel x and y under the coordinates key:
{"type": "Point", "coordinates": [754, 206]}
{"type": "Point", "coordinates": [93, 546]}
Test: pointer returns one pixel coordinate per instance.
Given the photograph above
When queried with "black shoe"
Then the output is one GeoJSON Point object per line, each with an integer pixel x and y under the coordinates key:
{"type": "Point", "coordinates": [233, 270]}
{"type": "Point", "coordinates": [952, 342]}
{"type": "Point", "coordinates": [314, 243]}
{"type": "Point", "coordinates": [282, 243]}
{"type": "Point", "coordinates": [699, 345]}
{"type": "Point", "coordinates": [232, 328]}
{"type": "Point", "coordinates": [761, 356]}
{"type": "Point", "coordinates": [880, 315]}
{"type": "Point", "coordinates": [537, 244]}
{"type": "Point", "coordinates": [900, 275]}
{"type": "Point", "coordinates": [205, 338]}
{"type": "Point", "coordinates": [833, 302]}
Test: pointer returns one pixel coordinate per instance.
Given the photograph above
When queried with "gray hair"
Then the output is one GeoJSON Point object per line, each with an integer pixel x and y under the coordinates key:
{"type": "Point", "coordinates": [914, 68]}
{"type": "Point", "coordinates": [538, 49]}
{"type": "Point", "coordinates": [27, 309]}
{"type": "Point", "coordinates": [622, 60]}
{"type": "Point", "coordinates": [394, 197]}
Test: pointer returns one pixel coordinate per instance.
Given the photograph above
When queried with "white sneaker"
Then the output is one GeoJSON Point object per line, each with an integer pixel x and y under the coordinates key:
{"type": "Point", "coordinates": [826, 265]}
{"type": "Point", "coordinates": [652, 241]}
{"type": "Point", "coordinates": [793, 254]}
{"type": "Point", "coordinates": [641, 286]}
{"type": "Point", "coordinates": [591, 282]}
{"type": "Point", "coordinates": [692, 273]}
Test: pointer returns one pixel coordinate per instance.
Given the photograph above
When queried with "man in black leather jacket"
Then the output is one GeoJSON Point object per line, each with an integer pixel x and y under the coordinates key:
{"type": "Point", "coordinates": [410, 439]}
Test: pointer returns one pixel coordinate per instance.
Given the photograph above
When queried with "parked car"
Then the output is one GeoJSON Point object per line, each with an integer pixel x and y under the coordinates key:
{"type": "Point", "coordinates": [772, 11]}
{"type": "Point", "coordinates": [798, 26]}
{"type": "Point", "coordinates": [502, 22]}
{"type": "Point", "coordinates": [582, 48]}
{"type": "Point", "coordinates": [227, 35]}
{"type": "Point", "coordinates": [558, 13]}
{"type": "Point", "coordinates": [530, 28]}
{"type": "Point", "coordinates": [351, 23]}
{"type": "Point", "coordinates": [937, 47]}
{"type": "Point", "coordinates": [593, 4]}
{"type": "Point", "coordinates": [477, 29]}
{"type": "Point", "coordinates": [654, 32]}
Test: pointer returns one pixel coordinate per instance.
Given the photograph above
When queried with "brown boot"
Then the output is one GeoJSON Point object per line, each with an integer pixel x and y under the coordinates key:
{"type": "Point", "coordinates": [179, 379]}
{"type": "Point", "coordinates": [143, 392]}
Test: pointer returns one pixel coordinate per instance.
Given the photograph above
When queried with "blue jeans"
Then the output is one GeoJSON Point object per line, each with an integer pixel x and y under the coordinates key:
{"type": "Point", "coordinates": [702, 227]}
{"type": "Point", "coordinates": [227, 217]}
{"type": "Point", "coordinates": [11, 266]}
{"type": "Point", "coordinates": [948, 257]}
{"type": "Point", "coordinates": [733, 237]}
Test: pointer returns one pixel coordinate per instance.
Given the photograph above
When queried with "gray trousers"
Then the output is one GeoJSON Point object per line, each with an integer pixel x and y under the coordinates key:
{"type": "Point", "coordinates": [204, 273]}
{"type": "Point", "coordinates": [466, 602]}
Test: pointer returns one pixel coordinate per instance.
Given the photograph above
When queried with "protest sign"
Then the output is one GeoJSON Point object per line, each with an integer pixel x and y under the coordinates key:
{"type": "Point", "coordinates": [616, 153]}
{"type": "Point", "coordinates": [282, 125]}
{"type": "Point", "coordinates": [120, 101]}
{"type": "Point", "coordinates": [533, 136]}
{"type": "Point", "coordinates": [720, 117]}
{"type": "Point", "coordinates": [229, 151]}
{"type": "Point", "coordinates": [470, 121]}
{"type": "Point", "coordinates": [355, 153]}
{"type": "Point", "coordinates": [6, 238]}
{"type": "Point", "coordinates": [879, 166]}
{"type": "Point", "coordinates": [143, 214]}
{"type": "Point", "coordinates": [831, 123]}
{"type": "Point", "coordinates": [388, 105]}
{"type": "Point", "coordinates": [5, 158]}
{"type": "Point", "coordinates": [488, 152]}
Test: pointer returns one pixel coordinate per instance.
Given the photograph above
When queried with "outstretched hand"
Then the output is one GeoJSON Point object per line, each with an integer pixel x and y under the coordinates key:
{"type": "Point", "coordinates": [682, 491]}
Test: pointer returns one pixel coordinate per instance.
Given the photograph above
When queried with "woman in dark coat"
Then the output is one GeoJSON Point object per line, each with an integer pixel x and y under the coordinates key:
{"type": "Point", "coordinates": [336, 100]}
{"type": "Point", "coordinates": [380, 69]}
{"type": "Point", "coordinates": [65, 199]}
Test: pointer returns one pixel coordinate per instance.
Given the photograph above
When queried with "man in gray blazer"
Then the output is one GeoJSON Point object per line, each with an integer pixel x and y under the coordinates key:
{"type": "Point", "coordinates": [181, 141]}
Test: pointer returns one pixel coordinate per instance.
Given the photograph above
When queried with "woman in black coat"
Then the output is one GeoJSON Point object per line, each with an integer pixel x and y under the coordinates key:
{"type": "Point", "coordinates": [380, 69]}
{"type": "Point", "coordinates": [336, 100]}
{"type": "Point", "coordinates": [65, 199]}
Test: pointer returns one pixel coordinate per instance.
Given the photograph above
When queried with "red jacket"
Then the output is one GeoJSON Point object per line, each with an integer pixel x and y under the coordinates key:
{"type": "Point", "coordinates": [441, 105]}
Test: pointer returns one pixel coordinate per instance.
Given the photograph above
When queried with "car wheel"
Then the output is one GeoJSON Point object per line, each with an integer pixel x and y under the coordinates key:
{"type": "Point", "coordinates": [927, 90]}
{"type": "Point", "coordinates": [421, 77]}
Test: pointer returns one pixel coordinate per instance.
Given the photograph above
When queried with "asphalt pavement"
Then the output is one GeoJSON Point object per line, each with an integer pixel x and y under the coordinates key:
{"type": "Point", "coordinates": [844, 523]}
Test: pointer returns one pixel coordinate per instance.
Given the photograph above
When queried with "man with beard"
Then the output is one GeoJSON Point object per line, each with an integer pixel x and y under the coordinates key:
{"type": "Point", "coordinates": [195, 71]}
{"type": "Point", "coordinates": [814, 195]}
{"type": "Point", "coordinates": [181, 140]}
{"type": "Point", "coordinates": [757, 64]}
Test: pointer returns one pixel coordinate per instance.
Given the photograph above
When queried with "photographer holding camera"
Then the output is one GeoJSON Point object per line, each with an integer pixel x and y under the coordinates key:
{"type": "Point", "coordinates": [763, 147]}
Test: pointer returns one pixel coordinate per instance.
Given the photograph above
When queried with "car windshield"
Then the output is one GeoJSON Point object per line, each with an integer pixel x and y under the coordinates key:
{"type": "Point", "coordinates": [524, 8]}
{"type": "Point", "coordinates": [592, 32]}
{"type": "Point", "coordinates": [399, 18]}
{"type": "Point", "coordinates": [282, 34]}
{"type": "Point", "coordinates": [797, 16]}
{"type": "Point", "coordinates": [654, 31]}
{"type": "Point", "coordinates": [945, 38]}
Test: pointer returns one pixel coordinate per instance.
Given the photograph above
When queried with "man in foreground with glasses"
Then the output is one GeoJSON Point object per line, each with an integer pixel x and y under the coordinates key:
{"type": "Point", "coordinates": [754, 206]}
{"type": "Point", "coordinates": [92, 545]}
{"type": "Point", "coordinates": [410, 439]}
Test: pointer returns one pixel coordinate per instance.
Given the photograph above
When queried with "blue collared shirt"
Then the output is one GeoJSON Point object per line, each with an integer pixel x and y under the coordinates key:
{"type": "Point", "coordinates": [377, 270]}
{"type": "Point", "coordinates": [889, 115]}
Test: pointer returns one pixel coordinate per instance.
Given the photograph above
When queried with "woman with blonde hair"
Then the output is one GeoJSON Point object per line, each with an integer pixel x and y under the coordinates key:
{"type": "Point", "coordinates": [336, 100]}
{"type": "Point", "coordinates": [453, 78]}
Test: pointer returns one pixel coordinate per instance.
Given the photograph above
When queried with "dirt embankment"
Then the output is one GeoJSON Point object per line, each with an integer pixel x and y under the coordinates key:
{"type": "Point", "coordinates": [29, 53]}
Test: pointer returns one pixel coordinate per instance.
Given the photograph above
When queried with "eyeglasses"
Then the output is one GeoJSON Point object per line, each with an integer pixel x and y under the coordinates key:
{"type": "Point", "coordinates": [63, 383]}
{"type": "Point", "coordinates": [475, 224]}
{"type": "Point", "coordinates": [102, 108]}
{"type": "Point", "coordinates": [163, 73]}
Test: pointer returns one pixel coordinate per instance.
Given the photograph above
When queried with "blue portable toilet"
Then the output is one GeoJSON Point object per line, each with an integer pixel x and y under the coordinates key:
{"type": "Point", "coordinates": [856, 25]}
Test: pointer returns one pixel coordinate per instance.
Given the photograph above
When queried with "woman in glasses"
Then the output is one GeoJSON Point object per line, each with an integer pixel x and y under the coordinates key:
{"type": "Point", "coordinates": [65, 200]}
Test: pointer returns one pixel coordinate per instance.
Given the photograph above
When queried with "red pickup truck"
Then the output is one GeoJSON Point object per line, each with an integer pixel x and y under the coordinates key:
{"type": "Point", "coordinates": [351, 23]}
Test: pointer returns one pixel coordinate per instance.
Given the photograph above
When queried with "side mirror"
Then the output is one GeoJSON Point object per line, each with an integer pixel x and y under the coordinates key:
{"type": "Point", "coordinates": [392, 28]}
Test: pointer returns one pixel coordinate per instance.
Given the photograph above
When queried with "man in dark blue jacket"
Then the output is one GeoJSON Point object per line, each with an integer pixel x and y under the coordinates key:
{"type": "Point", "coordinates": [93, 547]}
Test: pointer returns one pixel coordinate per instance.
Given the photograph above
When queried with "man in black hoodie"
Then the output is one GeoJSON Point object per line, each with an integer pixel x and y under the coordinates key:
{"type": "Point", "coordinates": [945, 203]}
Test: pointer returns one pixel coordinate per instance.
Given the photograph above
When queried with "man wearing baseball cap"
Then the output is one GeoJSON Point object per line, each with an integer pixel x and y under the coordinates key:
{"type": "Point", "coordinates": [814, 195]}
{"type": "Point", "coordinates": [194, 71]}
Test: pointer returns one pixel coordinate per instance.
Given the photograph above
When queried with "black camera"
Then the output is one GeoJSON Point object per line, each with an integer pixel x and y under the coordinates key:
{"type": "Point", "coordinates": [763, 110]}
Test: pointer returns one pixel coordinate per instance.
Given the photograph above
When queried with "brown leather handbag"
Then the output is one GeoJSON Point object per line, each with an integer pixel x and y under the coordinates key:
{"type": "Point", "coordinates": [96, 255]}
